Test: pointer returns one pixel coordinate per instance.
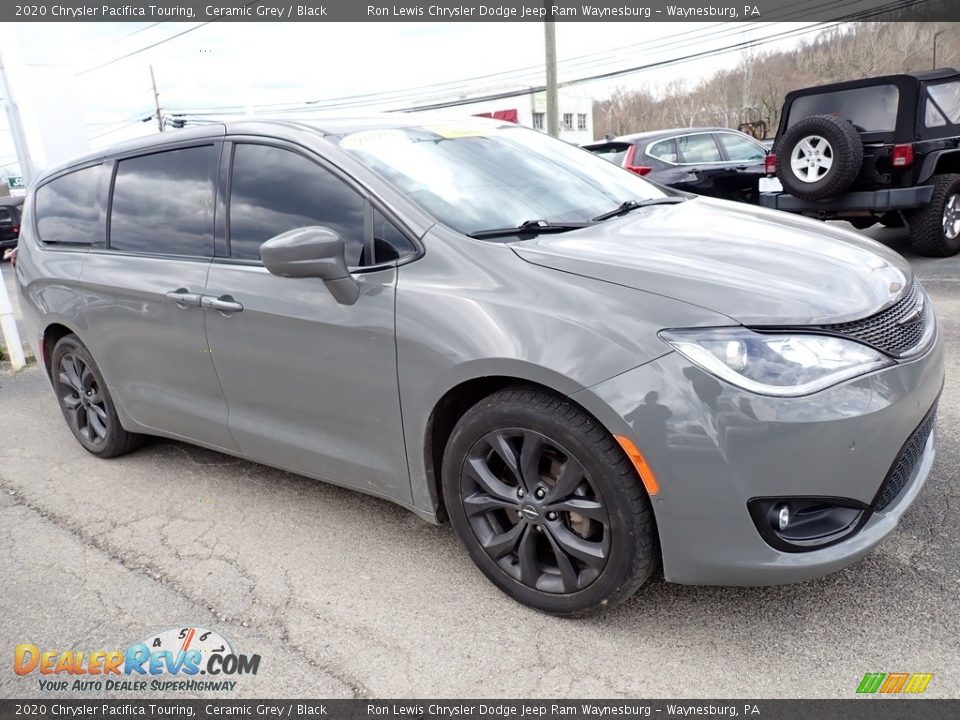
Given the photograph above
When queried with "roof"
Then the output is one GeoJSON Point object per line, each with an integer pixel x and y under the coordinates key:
{"type": "Point", "coordinates": [11, 201]}
{"type": "Point", "coordinates": [901, 79]}
{"type": "Point", "coordinates": [322, 124]}
{"type": "Point", "coordinates": [650, 134]}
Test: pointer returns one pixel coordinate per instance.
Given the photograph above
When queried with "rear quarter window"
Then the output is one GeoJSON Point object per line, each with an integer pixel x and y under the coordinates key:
{"type": "Point", "coordinates": [615, 153]}
{"type": "Point", "coordinates": [68, 209]}
{"type": "Point", "coordinates": [665, 150]}
{"type": "Point", "coordinates": [946, 97]}
{"type": "Point", "coordinates": [871, 109]}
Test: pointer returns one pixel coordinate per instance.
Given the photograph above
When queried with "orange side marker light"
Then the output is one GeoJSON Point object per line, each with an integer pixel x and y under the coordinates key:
{"type": "Point", "coordinates": [640, 463]}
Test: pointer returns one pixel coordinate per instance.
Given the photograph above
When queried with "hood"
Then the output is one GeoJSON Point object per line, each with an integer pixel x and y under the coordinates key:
{"type": "Point", "coordinates": [756, 266]}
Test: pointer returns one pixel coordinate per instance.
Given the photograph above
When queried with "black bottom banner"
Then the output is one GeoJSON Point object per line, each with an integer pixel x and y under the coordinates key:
{"type": "Point", "coordinates": [865, 709]}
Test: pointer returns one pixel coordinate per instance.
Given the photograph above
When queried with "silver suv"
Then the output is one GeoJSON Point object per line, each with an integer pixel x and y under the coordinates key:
{"type": "Point", "coordinates": [587, 373]}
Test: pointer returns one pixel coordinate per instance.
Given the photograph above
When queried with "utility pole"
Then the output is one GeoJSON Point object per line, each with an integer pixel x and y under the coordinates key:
{"type": "Point", "coordinates": [16, 127]}
{"type": "Point", "coordinates": [937, 34]}
{"type": "Point", "coordinates": [156, 99]}
{"type": "Point", "coordinates": [550, 42]}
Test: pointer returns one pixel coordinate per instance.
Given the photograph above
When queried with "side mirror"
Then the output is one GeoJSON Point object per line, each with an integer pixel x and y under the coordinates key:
{"type": "Point", "coordinates": [316, 252]}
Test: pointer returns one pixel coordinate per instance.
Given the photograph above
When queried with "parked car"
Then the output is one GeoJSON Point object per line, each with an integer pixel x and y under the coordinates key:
{"type": "Point", "coordinates": [10, 209]}
{"type": "Point", "coordinates": [882, 149]}
{"type": "Point", "coordinates": [587, 374]}
{"type": "Point", "coordinates": [717, 162]}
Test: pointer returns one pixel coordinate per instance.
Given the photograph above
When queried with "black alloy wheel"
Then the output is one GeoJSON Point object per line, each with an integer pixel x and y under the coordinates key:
{"type": "Point", "coordinates": [82, 399]}
{"type": "Point", "coordinates": [85, 401]}
{"type": "Point", "coordinates": [547, 503]}
{"type": "Point", "coordinates": [534, 511]}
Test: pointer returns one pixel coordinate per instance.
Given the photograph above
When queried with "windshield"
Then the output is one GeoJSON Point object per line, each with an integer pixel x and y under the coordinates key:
{"type": "Point", "coordinates": [475, 177]}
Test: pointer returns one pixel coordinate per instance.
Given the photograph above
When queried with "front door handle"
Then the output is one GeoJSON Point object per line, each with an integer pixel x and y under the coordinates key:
{"type": "Point", "coordinates": [224, 304]}
{"type": "Point", "coordinates": [184, 298]}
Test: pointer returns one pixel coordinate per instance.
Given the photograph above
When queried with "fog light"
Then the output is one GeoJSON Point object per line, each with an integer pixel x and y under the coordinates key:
{"type": "Point", "coordinates": [799, 524]}
{"type": "Point", "coordinates": [783, 517]}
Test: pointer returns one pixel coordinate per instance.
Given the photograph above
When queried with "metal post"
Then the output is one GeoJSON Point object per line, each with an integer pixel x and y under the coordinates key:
{"type": "Point", "coordinates": [156, 99]}
{"type": "Point", "coordinates": [550, 41]}
{"type": "Point", "coordinates": [16, 127]}
{"type": "Point", "coordinates": [8, 327]}
{"type": "Point", "coordinates": [937, 34]}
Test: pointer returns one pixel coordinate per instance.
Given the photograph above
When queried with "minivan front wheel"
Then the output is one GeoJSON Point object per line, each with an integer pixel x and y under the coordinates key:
{"type": "Point", "coordinates": [547, 503]}
{"type": "Point", "coordinates": [85, 401]}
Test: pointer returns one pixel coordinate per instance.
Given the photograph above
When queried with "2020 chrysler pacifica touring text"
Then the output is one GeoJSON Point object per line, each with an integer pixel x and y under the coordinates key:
{"type": "Point", "coordinates": [587, 373]}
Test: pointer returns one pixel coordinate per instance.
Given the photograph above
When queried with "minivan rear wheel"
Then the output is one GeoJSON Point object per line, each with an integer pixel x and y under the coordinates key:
{"type": "Point", "coordinates": [547, 503]}
{"type": "Point", "coordinates": [85, 401]}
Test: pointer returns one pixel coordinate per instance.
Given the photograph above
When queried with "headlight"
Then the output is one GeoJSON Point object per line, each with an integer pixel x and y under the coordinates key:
{"type": "Point", "coordinates": [782, 364]}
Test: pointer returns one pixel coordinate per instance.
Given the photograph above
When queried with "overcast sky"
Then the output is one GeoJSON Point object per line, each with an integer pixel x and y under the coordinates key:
{"type": "Point", "coordinates": [223, 63]}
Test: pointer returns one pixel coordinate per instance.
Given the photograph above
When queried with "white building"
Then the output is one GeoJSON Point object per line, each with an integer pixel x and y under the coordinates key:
{"type": "Point", "coordinates": [575, 110]}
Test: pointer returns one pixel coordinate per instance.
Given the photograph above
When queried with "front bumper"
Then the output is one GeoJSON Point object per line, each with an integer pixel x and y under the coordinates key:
{"type": "Point", "coordinates": [713, 447]}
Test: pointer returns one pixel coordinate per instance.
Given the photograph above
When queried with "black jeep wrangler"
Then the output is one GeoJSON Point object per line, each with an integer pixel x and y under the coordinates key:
{"type": "Point", "coordinates": [883, 149]}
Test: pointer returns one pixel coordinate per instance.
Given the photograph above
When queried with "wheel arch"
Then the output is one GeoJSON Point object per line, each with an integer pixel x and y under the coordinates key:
{"type": "Point", "coordinates": [940, 162]}
{"type": "Point", "coordinates": [53, 332]}
{"type": "Point", "coordinates": [452, 405]}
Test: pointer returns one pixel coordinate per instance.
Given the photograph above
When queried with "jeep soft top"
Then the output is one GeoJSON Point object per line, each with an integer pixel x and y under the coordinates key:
{"type": "Point", "coordinates": [881, 149]}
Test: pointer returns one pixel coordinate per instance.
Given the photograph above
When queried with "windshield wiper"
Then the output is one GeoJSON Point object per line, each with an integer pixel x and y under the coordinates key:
{"type": "Point", "coordinates": [630, 205]}
{"type": "Point", "coordinates": [530, 227]}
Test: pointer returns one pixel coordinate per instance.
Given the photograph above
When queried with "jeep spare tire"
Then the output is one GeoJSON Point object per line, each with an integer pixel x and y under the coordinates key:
{"type": "Point", "coordinates": [818, 157]}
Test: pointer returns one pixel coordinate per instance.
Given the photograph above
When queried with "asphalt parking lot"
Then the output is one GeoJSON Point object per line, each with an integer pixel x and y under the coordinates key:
{"type": "Point", "coordinates": [345, 595]}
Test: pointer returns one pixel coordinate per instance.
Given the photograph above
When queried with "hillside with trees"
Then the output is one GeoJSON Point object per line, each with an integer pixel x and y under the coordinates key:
{"type": "Point", "coordinates": [761, 79]}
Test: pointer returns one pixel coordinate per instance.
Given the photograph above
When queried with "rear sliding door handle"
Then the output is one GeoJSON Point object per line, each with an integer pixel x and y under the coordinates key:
{"type": "Point", "coordinates": [224, 304]}
{"type": "Point", "coordinates": [184, 298]}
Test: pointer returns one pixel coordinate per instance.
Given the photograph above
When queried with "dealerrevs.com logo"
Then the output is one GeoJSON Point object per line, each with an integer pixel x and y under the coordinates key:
{"type": "Point", "coordinates": [187, 659]}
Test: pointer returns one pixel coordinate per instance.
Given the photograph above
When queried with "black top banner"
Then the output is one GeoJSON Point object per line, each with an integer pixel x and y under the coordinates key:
{"type": "Point", "coordinates": [481, 11]}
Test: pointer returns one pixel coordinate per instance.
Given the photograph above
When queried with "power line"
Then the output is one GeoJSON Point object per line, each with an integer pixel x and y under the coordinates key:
{"type": "Point", "coordinates": [145, 48]}
{"type": "Point", "coordinates": [465, 85]}
{"type": "Point", "coordinates": [528, 73]}
{"type": "Point", "coordinates": [155, 44]}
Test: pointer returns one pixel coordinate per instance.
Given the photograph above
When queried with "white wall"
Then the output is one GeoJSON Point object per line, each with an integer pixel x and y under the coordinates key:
{"type": "Point", "coordinates": [49, 107]}
{"type": "Point", "coordinates": [569, 102]}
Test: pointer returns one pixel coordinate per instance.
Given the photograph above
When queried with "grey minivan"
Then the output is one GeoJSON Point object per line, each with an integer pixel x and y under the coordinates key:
{"type": "Point", "coordinates": [587, 373]}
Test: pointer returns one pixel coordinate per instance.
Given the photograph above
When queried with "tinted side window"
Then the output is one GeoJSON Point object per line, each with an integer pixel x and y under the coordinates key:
{"type": "Point", "coordinates": [163, 203]}
{"type": "Point", "coordinates": [741, 149]}
{"type": "Point", "coordinates": [67, 209]}
{"type": "Point", "coordinates": [698, 148]}
{"type": "Point", "coordinates": [274, 190]}
{"type": "Point", "coordinates": [388, 242]}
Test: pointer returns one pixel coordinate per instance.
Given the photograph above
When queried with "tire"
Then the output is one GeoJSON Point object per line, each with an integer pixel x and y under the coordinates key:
{"type": "Point", "coordinates": [85, 401]}
{"type": "Point", "coordinates": [931, 233]}
{"type": "Point", "coordinates": [576, 563]}
{"type": "Point", "coordinates": [818, 157]}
